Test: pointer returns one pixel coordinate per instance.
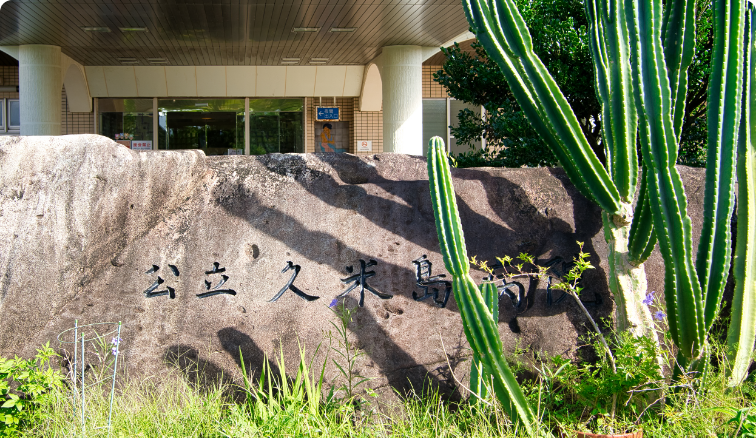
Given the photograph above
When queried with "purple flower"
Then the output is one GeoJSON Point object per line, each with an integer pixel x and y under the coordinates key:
{"type": "Point", "coordinates": [116, 341]}
{"type": "Point", "coordinates": [334, 303]}
{"type": "Point", "coordinates": [649, 298]}
{"type": "Point", "coordinates": [114, 351]}
{"type": "Point", "coordinates": [659, 315]}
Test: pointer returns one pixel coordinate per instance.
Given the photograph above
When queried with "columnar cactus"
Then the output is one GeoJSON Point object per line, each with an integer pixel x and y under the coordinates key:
{"type": "Point", "coordinates": [479, 315]}
{"type": "Point", "coordinates": [641, 54]}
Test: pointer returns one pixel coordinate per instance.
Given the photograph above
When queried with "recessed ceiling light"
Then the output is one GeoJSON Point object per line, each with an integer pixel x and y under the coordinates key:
{"type": "Point", "coordinates": [290, 59]}
{"type": "Point", "coordinates": [289, 62]}
{"type": "Point", "coordinates": [95, 29]}
{"type": "Point", "coordinates": [319, 59]}
{"type": "Point", "coordinates": [317, 62]}
{"type": "Point", "coordinates": [129, 62]}
{"type": "Point", "coordinates": [343, 29]}
{"type": "Point", "coordinates": [133, 29]}
{"type": "Point", "coordinates": [157, 61]}
{"type": "Point", "coordinates": [306, 29]}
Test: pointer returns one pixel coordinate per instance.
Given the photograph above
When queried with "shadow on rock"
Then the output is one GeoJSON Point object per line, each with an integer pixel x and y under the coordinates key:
{"type": "Point", "coordinates": [405, 376]}
{"type": "Point", "coordinates": [203, 375]}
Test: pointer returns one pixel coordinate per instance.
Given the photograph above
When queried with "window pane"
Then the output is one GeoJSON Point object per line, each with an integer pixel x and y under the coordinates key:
{"type": "Point", "coordinates": [264, 130]}
{"type": "Point", "coordinates": [2, 113]}
{"type": "Point", "coordinates": [455, 106]}
{"type": "Point", "coordinates": [292, 137]}
{"type": "Point", "coordinates": [14, 111]}
{"type": "Point", "coordinates": [126, 116]}
{"type": "Point", "coordinates": [434, 121]}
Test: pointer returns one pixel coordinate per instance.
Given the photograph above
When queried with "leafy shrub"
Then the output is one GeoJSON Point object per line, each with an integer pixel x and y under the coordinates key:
{"type": "Point", "coordinates": [23, 385]}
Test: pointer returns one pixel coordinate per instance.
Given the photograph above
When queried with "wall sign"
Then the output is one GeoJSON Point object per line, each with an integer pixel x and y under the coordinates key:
{"type": "Point", "coordinates": [327, 113]}
{"type": "Point", "coordinates": [141, 145]}
{"type": "Point", "coordinates": [364, 146]}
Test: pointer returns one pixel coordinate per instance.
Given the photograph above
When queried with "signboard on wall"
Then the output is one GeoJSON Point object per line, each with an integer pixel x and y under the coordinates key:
{"type": "Point", "coordinates": [141, 145]}
{"type": "Point", "coordinates": [126, 143]}
{"type": "Point", "coordinates": [327, 114]}
{"type": "Point", "coordinates": [364, 146]}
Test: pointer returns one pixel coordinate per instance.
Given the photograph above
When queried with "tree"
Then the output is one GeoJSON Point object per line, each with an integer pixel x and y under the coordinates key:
{"type": "Point", "coordinates": [559, 29]}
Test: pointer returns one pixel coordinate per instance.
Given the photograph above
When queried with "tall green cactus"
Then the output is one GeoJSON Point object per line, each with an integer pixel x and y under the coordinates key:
{"type": "Point", "coordinates": [742, 330]}
{"type": "Point", "coordinates": [481, 328]}
{"type": "Point", "coordinates": [641, 54]}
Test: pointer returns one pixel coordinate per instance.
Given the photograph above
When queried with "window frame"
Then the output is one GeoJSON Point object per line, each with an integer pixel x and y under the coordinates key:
{"type": "Point", "coordinates": [3, 115]}
{"type": "Point", "coordinates": [10, 127]}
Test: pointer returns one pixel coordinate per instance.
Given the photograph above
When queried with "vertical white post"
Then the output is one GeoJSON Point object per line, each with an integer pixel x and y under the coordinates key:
{"type": "Point", "coordinates": [82, 383]}
{"type": "Point", "coordinates": [40, 85]}
{"type": "Point", "coordinates": [448, 123]}
{"type": "Point", "coordinates": [402, 80]}
{"type": "Point", "coordinates": [246, 126]}
{"type": "Point", "coordinates": [155, 124]}
{"type": "Point", "coordinates": [96, 125]}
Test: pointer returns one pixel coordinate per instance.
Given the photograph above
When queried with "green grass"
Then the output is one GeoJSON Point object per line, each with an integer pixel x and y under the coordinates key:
{"type": "Point", "coordinates": [171, 406]}
{"type": "Point", "coordinates": [299, 403]}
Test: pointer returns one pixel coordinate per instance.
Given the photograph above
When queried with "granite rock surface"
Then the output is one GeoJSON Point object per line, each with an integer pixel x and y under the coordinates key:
{"type": "Point", "coordinates": [84, 220]}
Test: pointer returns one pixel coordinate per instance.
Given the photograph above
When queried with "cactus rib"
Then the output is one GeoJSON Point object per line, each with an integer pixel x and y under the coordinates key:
{"type": "Point", "coordinates": [668, 201]}
{"type": "Point", "coordinates": [742, 330]}
{"type": "Point", "coordinates": [725, 96]}
{"type": "Point", "coordinates": [480, 327]}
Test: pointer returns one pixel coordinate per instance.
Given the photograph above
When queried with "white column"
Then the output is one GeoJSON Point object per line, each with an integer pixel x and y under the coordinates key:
{"type": "Point", "coordinates": [402, 80]}
{"type": "Point", "coordinates": [40, 87]}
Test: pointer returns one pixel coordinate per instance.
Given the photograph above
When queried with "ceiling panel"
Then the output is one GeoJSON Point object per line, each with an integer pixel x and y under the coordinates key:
{"type": "Point", "coordinates": [229, 32]}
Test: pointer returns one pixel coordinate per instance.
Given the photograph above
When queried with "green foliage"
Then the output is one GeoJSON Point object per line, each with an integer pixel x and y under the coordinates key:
{"type": "Point", "coordinates": [743, 422]}
{"type": "Point", "coordinates": [559, 30]}
{"type": "Point", "coordinates": [23, 386]}
{"type": "Point", "coordinates": [276, 395]}
{"type": "Point", "coordinates": [582, 396]}
{"type": "Point", "coordinates": [349, 354]}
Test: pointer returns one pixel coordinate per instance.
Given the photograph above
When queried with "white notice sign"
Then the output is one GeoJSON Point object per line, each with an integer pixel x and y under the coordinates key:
{"type": "Point", "coordinates": [141, 145]}
{"type": "Point", "coordinates": [364, 146]}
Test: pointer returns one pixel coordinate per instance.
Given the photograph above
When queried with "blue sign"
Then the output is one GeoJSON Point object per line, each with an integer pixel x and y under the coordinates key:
{"type": "Point", "coordinates": [330, 113]}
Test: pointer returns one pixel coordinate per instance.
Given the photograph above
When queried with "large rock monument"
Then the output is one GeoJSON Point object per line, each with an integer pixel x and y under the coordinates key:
{"type": "Point", "coordinates": [187, 251]}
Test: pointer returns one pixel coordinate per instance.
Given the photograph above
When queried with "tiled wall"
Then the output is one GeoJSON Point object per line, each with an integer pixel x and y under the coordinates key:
{"type": "Point", "coordinates": [432, 88]}
{"type": "Point", "coordinates": [75, 123]}
{"type": "Point", "coordinates": [368, 125]}
{"type": "Point", "coordinates": [347, 115]}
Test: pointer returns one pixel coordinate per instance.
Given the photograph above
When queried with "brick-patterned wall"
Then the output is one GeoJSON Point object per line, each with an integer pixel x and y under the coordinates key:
{"type": "Point", "coordinates": [347, 115]}
{"type": "Point", "coordinates": [432, 88]}
{"type": "Point", "coordinates": [74, 123]}
{"type": "Point", "coordinates": [368, 125]}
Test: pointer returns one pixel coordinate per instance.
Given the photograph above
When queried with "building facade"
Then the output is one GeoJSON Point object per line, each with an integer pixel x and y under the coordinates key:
{"type": "Point", "coordinates": [230, 77]}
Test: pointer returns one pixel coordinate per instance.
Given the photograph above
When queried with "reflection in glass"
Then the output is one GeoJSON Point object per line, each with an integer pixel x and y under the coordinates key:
{"type": "Point", "coordinates": [216, 126]}
{"type": "Point", "coordinates": [126, 116]}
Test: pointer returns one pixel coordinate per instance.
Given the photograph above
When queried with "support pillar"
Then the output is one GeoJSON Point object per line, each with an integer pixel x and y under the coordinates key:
{"type": "Point", "coordinates": [402, 80]}
{"type": "Point", "coordinates": [40, 86]}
